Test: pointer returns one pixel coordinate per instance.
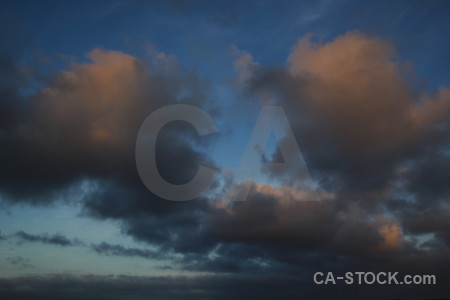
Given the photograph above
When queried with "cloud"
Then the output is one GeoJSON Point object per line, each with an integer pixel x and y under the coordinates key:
{"type": "Point", "coordinates": [20, 262]}
{"type": "Point", "coordinates": [243, 64]}
{"type": "Point", "coordinates": [278, 216]}
{"type": "Point", "coordinates": [102, 248]}
{"type": "Point", "coordinates": [199, 287]}
{"type": "Point", "coordinates": [119, 250]}
{"type": "Point", "coordinates": [363, 95]}
{"type": "Point", "coordinates": [83, 125]}
{"type": "Point", "coordinates": [355, 112]}
{"type": "Point", "coordinates": [372, 141]}
{"type": "Point", "coordinates": [430, 220]}
{"type": "Point", "coordinates": [56, 239]}
{"type": "Point", "coordinates": [429, 177]}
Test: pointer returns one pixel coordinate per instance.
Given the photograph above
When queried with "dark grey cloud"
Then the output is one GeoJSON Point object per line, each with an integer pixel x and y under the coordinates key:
{"type": "Point", "coordinates": [119, 250]}
{"type": "Point", "coordinates": [20, 262]}
{"type": "Point", "coordinates": [429, 178]}
{"type": "Point", "coordinates": [198, 287]}
{"type": "Point", "coordinates": [432, 220]}
{"type": "Point", "coordinates": [102, 248]}
{"type": "Point", "coordinates": [84, 126]}
{"type": "Point", "coordinates": [56, 239]}
{"type": "Point", "coordinates": [13, 75]}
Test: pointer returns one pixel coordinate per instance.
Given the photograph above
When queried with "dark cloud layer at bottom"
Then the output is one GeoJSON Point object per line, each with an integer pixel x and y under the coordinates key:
{"type": "Point", "coordinates": [92, 287]}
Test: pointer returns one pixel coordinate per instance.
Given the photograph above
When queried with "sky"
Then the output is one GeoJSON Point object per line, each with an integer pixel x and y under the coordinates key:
{"type": "Point", "coordinates": [331, 119]}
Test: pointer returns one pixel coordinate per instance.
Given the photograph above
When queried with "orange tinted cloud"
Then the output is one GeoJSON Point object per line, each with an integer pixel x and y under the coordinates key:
{"type": "Point", "coordinates": [392, 237]}
{"type": "Point", "coordinates": [100, 97]}
{"type": "Point", "coordinates": [359, 92]}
